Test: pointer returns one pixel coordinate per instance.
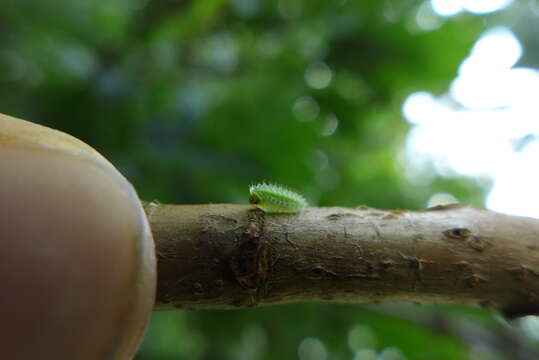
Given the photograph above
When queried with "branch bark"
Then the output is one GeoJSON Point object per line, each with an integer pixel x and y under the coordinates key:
{"type": "Point", "coordinates": [232, 256]}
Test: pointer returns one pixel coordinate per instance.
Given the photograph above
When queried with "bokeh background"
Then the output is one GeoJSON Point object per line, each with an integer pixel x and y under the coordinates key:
{"type": "Point", "coordinates": [393, 104]}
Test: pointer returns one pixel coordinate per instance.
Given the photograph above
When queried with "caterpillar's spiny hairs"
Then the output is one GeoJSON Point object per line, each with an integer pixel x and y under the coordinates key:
{"type": "Point", "coordinates": [273, 198]}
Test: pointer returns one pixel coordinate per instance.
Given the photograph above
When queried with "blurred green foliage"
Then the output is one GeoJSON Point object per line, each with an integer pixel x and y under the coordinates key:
{"type": "Point", "coordinates": [195, 100]}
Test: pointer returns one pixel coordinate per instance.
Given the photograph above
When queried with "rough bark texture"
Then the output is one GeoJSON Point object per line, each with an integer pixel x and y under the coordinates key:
{"type": "Point", "coordinates": [231, 256]}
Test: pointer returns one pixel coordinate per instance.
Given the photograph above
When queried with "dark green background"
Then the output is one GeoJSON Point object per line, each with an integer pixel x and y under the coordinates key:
{"type": "Point", "coordinates": [195, 100]}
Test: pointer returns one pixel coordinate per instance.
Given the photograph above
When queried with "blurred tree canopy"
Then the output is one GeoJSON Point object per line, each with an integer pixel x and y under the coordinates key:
{"type": "Point", "coordinates": [195, 100]}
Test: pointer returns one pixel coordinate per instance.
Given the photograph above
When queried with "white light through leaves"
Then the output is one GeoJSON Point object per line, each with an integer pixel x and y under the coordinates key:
{"type": "Point", "coordinates": [486, 125]}
{"type": "Point", "coordinates": [453, 7]}
{"type": "Point", "coordinates": [485, 6]}
{"type": "Point", "coordinates": [485, 75]}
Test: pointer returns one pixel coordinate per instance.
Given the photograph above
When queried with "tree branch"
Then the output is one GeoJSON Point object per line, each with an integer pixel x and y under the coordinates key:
{"type": "Point", "coordinates": [231, 256]}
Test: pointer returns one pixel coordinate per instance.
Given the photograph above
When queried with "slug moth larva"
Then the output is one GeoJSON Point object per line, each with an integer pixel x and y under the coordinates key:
{"type": "Point", "coordinates": [276, 199]}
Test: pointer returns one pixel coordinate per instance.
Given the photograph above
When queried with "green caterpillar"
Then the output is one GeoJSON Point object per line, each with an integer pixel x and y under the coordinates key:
{"type": "Point", "coordinates": [275, 199]}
